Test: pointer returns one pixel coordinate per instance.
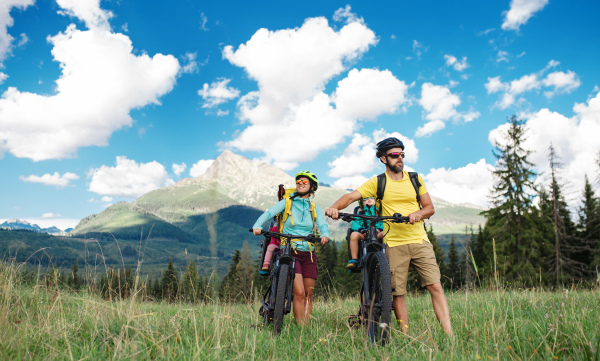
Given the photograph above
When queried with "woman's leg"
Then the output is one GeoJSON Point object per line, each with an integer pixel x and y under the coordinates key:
{"type": "Point", "coordinates": [309, 287]}
{"type": "Point", "coordinates": [299, 299]}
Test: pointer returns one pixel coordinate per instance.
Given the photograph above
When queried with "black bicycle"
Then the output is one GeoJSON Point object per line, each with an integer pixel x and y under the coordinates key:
{"type": "Point", "coordinates": [375, 310]}
{"type": "Point", "coordinates": [278, 299]}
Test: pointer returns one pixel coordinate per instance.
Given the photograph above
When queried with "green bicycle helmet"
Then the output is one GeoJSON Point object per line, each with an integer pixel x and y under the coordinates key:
{"type": "Point", "coordinates": [311, 177]}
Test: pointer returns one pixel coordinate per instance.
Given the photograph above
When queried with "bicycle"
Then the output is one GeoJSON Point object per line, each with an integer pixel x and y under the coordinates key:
{"type": "Point", "coordinates": [375, 309]}
{"type": "Point", "coordinates": [278, 299]}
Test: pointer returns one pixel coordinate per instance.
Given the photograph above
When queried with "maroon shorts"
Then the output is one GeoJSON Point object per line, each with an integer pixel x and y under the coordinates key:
{"type": "Point", "coordinates": [304, 265]}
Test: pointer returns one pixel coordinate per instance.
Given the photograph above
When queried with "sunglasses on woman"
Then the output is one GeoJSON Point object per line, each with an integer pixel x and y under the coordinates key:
{"type": "Point", "coordinates": [302, 181]}
{"type": "Point", "coordinates": [395, 155]}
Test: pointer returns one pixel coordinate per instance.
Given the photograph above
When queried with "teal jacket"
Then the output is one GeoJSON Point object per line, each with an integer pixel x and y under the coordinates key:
{"type": "Point", "coordinates": [303, 225]}
{"type": "Point", "coordinates": [362, 223]}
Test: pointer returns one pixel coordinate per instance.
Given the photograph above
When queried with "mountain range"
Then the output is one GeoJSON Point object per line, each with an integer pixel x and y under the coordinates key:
{"type": "Point", "coordinates": [208, 217]}
{"type": "Point", "coordinates": [19, 224]}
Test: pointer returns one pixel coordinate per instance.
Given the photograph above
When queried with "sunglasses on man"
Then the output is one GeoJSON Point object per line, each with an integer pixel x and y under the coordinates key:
{"type": "Point", "coordinates": [395, 155]}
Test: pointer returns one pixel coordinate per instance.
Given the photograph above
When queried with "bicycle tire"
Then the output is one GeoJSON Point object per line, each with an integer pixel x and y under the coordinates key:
{"type": "Point", "coordinates": [280, 296]}
{"type": "Point", "coordinates": [379, 314]}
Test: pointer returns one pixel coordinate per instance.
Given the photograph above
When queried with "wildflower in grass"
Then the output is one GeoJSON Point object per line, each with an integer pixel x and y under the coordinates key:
{"type": "Point", "coordinates": [406, 326]}
{"type": "Point", "coordinates": [509, 347]}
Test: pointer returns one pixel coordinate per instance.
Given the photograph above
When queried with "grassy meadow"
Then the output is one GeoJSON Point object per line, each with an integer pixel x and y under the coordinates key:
{"type": "Point", "coordinates": [508, 324]}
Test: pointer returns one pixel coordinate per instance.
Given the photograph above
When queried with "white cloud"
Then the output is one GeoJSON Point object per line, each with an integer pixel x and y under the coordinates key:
{"type": "Point", "coordinates": [359, 157]}
{"type": "Point", "coordinates": [520, 12]}
{"type": "Point", "coordinates": [292, 68]}
{"type": "Point", "coordinates": [559, 81]}
{"type": "Point", "coordinates": [178, 168]}
{"type": "Point", "coordinates": [469, 184]}
{"type": "Point", "coordinates": [106, 199]}
{"type": "Point", "coordinates": [562, 82]}
{"type": "Point", "coordinates": [191, 65]}
{"type": "Point", "coordinates": [51, 215]}
{"type": "Point", "coordinates": [101, 81]}
{"type": "Point", "coordinates": [3, 77]}
{"type": "Point", "coordinates": [217, 93]}
{"type": "Point", "coordinates": [56, 180]}
{"type": "Point", "coordinates": [203, 22]}
{"type": "Point", "coordinates": [440, 106]}
{"type": "Point", "coordinates": [128, 178]}
{"type": "Point", "coordinates": [575, 140]}
{"type": "Point", "coordinates": [88, 11]}
{"type": "Point", "coordinates": [457, 65]}
{"type": "Point", "coordinates": [502, 56]}
{"type": "Point", "coordinates": [419, 48]}
{"type": "Point", "coordinates": [350, 182]}
{"type": "Point", "coordinates": [222, 113]}
{"type": "Point", "coordinates": [200, 167]}
{"type": "Point", "coordinates": [6, 21]}
{"type": "Point", "coordinates": [345, 15]}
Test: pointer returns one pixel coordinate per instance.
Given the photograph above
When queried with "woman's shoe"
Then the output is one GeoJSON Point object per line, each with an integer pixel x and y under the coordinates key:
{"type": "Point", "coordinates": [352, 264]}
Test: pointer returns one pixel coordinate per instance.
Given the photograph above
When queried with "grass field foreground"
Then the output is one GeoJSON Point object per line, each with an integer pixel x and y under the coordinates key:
{"type": "Point", "coordinates": [41, 323]}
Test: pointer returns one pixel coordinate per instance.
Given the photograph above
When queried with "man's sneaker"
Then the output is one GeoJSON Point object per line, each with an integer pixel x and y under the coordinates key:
{"type": "Point", "coordinates": [352, 264]}
{"type": "Point", "coordinates": [264, 271]}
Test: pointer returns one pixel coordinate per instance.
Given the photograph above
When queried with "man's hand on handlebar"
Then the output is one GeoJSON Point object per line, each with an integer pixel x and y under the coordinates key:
{"type": "Point", "coordinates": [324, 240]}
{"type": "Point", "coordinates": [332, 212]}
{"type": "Point", "coordinates": [257, 231]}
{"type": "Point", "coordinates": [414, 217]}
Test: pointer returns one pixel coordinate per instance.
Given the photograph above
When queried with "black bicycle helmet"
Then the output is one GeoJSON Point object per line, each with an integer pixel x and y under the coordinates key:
{"type": "Point", "coordinates": [311, 177]}
{"type": "Point", "coordinates": [388, 143]}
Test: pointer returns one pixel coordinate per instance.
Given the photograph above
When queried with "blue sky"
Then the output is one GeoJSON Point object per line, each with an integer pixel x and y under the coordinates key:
{"type": "Point", "coordinates": [102, 101]}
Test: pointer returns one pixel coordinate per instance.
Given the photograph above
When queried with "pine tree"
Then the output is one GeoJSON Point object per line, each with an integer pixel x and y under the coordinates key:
{"type": "Point", "coordinates": [453, 264]}
{"type": "Point", "coordinates": [170, 282]}
{"type": "Point", "coordinates": [227, 289]}
{"type": "Point", "coordinates": [327, 259]}
{"type": "Point", "coordinates": [510, 220]}
{"type": "Point", "coordinates": [74, 280]}
{"type": "Point", "coordinates": [563, 266]}
{"type": "Point", "coordinates": [440, 257]}
{"type": "Point", "coordinates": [346, 283]}
{"type": "Point", "coordinates": [189, 283]}
{"type": "Point", "coordinates": [244, 276]}
{"type": "Point", "coordinates": [589, 226]}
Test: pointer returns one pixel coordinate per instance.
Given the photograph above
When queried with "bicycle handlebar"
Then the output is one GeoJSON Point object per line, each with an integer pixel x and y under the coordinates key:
{"type": "Point", "coordinates": [396, 218]}
{"type": "Point", "coordinates": [311, 238]}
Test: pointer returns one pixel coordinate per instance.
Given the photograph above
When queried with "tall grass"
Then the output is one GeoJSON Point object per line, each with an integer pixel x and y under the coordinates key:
{"type": "Point", "coordinates": [39, 322]}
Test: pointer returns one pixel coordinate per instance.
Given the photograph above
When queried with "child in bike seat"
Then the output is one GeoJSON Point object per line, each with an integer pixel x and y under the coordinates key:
{"type": "Point", "coordinates": [360, 228]}
{"type": "Point", "coordinates": [274, 245]}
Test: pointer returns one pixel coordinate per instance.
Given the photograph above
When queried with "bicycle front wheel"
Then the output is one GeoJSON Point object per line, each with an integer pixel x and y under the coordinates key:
{"type": "Point", "coordinates": [280, 296]}
{"type": "Point", "coordinates": [379, 301]}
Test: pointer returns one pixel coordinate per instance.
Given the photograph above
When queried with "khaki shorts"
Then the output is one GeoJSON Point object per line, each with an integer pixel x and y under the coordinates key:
{"type": "Point", "coordinates": [423, 260]}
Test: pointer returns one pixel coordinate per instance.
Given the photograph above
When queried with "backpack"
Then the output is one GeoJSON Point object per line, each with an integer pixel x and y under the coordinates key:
{"type": "Point", "coordinates": [414, 179]}
{"type": "Point", "coordinates": [281, 218]}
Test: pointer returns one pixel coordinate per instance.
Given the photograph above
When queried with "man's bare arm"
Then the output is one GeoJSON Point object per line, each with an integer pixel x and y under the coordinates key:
{"type": "Point", "coordinates": [427, 211]}
{"type": "Point", "coordinates": [342, 203]}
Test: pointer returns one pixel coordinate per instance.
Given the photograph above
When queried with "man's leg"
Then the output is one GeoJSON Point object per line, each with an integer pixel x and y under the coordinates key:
{"type": "Point", "coordinates": [401, 312]}
{"type": "Point", "coordinates": [440, 306]}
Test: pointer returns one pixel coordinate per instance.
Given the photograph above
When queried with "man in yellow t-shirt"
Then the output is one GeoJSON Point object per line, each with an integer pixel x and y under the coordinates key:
{"type": "Point", "coordinates": [406, 242]}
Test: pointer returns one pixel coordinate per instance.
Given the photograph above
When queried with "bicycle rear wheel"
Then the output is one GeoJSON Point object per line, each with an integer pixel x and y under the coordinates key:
{"type": "Point", "coordinates": [280, 296]}
{"type": "Point", "coordinates": [379, 293]}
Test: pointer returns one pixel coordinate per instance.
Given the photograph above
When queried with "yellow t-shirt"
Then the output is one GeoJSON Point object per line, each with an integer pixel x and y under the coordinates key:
{"type": "Point", "coordinates": [399, 197]}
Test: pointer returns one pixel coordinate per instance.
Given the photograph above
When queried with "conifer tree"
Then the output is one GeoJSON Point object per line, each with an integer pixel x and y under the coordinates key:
{"type": "Point", "coordinates": [157, 290]}
{"type": "Point", "coordinates": [244, 275]}
{"type": "Point", "coordinates": [440, 257]}
{"type": "Point", "coordinates": [227, 289]}
{"type": "Point", "coordinates": [170, 282]}
{"type": "Point", "coordinates": [346, 283]}
{"type": "Point", "coordinates": [74, 280]}
{"type": "Point", "coordinates": [510, 220]}
{"type": "Point", "coordinates": [327, 259]}
{"type": "Point", "coordinates": [189, 283]}
{"type": "Point", "coordinates": [589, 226]}
{"type": "Point", "coordinates": [563, 265]}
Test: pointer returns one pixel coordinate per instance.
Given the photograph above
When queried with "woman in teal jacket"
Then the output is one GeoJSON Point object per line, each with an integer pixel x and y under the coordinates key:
{"type": "Point", "coordinates": [306, 259]}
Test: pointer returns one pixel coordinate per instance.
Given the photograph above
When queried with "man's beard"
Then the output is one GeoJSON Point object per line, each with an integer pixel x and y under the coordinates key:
{"type": "Point", "coordinates": [396, 168]}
